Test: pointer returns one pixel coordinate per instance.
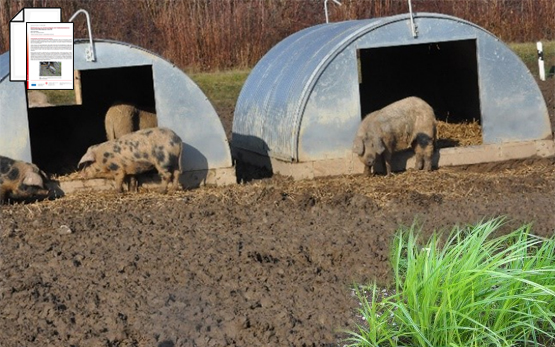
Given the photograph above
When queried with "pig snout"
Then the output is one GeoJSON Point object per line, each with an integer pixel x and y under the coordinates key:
{"type": "Point", "coordinates": [83, 173]}
{"type": "Point", "coordinates": [32, 185]}
{"type": "Point", "coordinates": [368, 159]}
{"type": "Point", "coordinates": [24, 191]}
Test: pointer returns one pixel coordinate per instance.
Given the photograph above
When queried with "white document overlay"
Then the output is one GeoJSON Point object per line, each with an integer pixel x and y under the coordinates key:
{"type": "Point", "coordinates": [18, 37]}
{"type": "Point", "coordinates": [50, 55]}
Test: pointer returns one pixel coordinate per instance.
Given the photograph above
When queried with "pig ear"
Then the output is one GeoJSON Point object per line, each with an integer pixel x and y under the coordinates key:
{"type": "Point", "coordinates": [43, 174]}
{"type": "Point", "coordinates": [358, 146]}
{"type": "Point", "coordinates": [88, 157]}
{"type": "Point", "coordinates": [40, 172]}
{"type": "Point", "coordinates": [32, 179]}
{"type": "Point", "coordinates": [378, 146]}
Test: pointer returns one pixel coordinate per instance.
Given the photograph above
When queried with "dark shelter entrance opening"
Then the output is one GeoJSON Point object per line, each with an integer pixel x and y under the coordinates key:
{"type": "Point", "coordinates": [444, 74]}
{"type": "Point", "coordinates": [60, 135]}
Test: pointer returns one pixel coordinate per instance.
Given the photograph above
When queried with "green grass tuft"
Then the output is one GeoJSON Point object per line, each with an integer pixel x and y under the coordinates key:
{"type": "Point", "coordinates": [473, 290]}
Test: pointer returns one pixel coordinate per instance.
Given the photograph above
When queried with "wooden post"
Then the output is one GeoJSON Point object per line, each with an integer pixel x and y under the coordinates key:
{"type": "Point", "coordinates": [77, 87]}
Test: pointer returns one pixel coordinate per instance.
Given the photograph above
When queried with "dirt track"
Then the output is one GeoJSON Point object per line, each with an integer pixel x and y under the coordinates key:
{"type": "Point", "coordinates": [267, 263]}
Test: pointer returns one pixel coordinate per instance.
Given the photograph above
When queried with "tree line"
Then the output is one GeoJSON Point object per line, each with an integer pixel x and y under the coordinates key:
{"type": "Point", "coordinates": [210, 35]}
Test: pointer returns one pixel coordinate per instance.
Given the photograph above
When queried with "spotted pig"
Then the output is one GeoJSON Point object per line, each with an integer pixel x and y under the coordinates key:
{"type": "Point", "coordinates": [135, 153]}
{"type": "Point", "coordinates": [21, 181]}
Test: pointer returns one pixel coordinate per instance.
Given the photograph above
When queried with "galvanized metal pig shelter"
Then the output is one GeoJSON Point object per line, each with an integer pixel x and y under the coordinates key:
{"type": "Point", "coordinates": [301, 105]}
{"type": "Point", "coordinates": [56, 137]}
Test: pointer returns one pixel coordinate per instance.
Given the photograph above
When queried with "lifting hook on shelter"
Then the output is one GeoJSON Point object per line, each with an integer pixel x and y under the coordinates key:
{"type": "Point", "coordinates": [90, 50]}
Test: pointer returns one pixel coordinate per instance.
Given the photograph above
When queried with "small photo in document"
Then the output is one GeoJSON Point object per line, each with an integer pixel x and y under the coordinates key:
{"type": "Point", "coordinates": [50, 68]}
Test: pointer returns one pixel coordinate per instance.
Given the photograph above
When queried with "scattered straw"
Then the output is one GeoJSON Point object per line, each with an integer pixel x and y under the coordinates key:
{"type": "Point", "coordinates": [67, 177]}
{"type": "Point", "coordinates": [459, 134]}
{"type": "Point", "coordinates": [497, 179]}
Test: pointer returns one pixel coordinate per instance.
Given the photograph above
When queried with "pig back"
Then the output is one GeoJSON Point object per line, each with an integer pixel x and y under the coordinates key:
{"type": "Point", "coordinates": [424, 117]}
{"type": "Point", "coordinates": [401, 121]}
{"type": "Point", "coordinates": [119, 120]}
{"type": "Point", "coordinates": [147, 119]}
{"type": "Point", "coordinates": [122, 118]}
{"type": "Point", "coordinates": [141, 151]}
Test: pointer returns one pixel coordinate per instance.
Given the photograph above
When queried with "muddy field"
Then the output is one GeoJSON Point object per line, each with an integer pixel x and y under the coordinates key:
{"type": "Point", "coordinates": [268, 263]}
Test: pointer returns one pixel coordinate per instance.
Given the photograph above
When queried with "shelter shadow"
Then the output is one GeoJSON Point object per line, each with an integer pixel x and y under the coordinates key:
{"type": "Point", "coordinates": [250, 165]}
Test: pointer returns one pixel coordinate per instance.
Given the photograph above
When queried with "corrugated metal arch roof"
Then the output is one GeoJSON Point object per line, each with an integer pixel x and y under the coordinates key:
{"type": "Point", "coordinates": [279, 84]}
{"type": "Point", "coordinates": [180, 104]}
{"type": "Point", "coordinates": [5, 58]}
{"type": "Point", "coordinates": [271, 103]}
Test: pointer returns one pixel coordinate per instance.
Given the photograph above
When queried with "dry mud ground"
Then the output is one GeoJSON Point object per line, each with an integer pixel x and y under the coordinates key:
{"type": "Point", "coordinates": [266, 263]}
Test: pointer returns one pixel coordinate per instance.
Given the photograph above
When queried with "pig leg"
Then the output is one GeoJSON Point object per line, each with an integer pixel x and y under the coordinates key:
{"type": "Point", "coordinates": [133, 184]}
{"type": "Point", "coordinates": [165, 176]}
{"type": "Point", "coordinates": [119, 177]}
{"type": "Point", "coordinates": [387, 160]}
{"type": "Point", "coordinates": [424, 150]}
{"type": "Point", "coordinates": [367, 170]}
{"type": "Point", "coordinates": [419, 159]}
{"type": "Point", "coordinates": [424, 157]}
{"type": "Point", "coordinates": [3, 194]}
{"type": "Point", "coordinates": [175, 183]}
{"type": "Point", "coordinates": [380, 158]}
{"type": "Point", "coordinates": [166, 179]}
{"type": "Point", "coordinates": [428, 154]}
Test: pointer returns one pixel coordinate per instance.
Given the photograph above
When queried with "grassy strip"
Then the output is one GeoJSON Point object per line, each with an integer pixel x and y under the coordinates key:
{"type": "Point", "coordinates": [221, 88]}
{"type": "Point", "coordinates": [475, 290]}
{"type": "Point", "coordinates": [60, 97]}
{"type": "Point", "coordinates": [528, 53]}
